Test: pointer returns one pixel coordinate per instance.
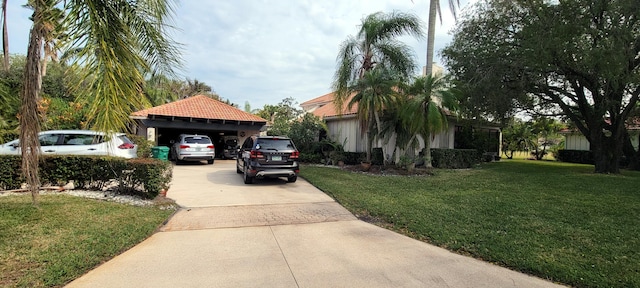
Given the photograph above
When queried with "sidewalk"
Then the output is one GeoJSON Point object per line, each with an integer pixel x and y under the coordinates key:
{"type": "Point", "coordinates": [277, 234]}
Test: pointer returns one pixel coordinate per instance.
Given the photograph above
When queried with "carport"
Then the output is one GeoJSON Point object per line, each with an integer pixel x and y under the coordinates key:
{"type": "Point", "coordinates": [197, 115]}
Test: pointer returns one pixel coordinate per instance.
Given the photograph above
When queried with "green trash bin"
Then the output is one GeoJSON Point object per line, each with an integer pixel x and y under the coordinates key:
{"type": "Point", "coordinates": [160, 152]}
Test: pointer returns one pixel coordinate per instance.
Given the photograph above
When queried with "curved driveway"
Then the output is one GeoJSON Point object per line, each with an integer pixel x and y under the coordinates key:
{"type": "Point", "coordinates": [278, 234]}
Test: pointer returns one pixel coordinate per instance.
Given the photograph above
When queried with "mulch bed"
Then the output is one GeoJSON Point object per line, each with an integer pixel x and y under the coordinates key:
{"type": "Point", "coordinates": [389, 170]}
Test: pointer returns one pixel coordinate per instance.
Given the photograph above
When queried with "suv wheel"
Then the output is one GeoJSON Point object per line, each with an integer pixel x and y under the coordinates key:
{"type": "Point", "coordinates": [210, 161]}
{"type": "Point", "coordinates": [238, 169]}
{"type": "Point", "coordinates": [292, 179]}
{"type": "Point", "coordinates": [247, 179]}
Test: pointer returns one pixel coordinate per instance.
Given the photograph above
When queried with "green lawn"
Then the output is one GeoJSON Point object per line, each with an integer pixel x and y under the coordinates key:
{"type": "Point", "coordinates": [555, 220]}
{"type": "Point", "coordinates": [66, 237]}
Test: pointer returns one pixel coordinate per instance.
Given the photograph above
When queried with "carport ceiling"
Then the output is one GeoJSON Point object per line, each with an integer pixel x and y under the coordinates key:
{"type": "Point", "coordinates": [199, 112]}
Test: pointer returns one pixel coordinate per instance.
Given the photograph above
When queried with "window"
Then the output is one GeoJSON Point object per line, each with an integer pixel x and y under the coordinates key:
{"type": "Point", "coordinates": [277, 144]}
{"type": "Point", "coordinates": [81, 139]}
{"type": "Point", "coordinates": [197, 140]}
{"type": "Point", "coordinates": [48, 139]}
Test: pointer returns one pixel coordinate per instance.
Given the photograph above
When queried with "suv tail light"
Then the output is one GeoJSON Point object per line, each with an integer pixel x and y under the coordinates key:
{"type": "Point", "coordinates": [211, 147]}
{"type": "Point", "coordinates": [184, 146]}
{"type": "Point", "coordinates": [126, 146]}
{"type": "Point", "coordinates": [294, 155]}
{"type": "Point", "coordinates": [256, 154]}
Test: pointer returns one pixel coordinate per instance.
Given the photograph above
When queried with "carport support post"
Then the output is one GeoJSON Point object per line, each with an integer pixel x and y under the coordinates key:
{"type": "Point", "coordinates": [151, 134]}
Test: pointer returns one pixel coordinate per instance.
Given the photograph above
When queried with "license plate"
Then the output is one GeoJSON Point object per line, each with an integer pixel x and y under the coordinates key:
{"type": "Point", "coordinates": [276, 158]}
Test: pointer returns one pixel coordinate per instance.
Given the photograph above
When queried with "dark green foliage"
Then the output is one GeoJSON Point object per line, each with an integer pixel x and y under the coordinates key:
{"type": "Point", "coordinates": [454, 158]}
{"type": "Point", "coordinates": [10, 177]}
{"type": "Point", "coordinates": [143, 177]}
{"type": "Point", "coordinates": [353, 158]}
{"type": "Point", "coordinates": [305, 132]}
{"type": "Point", "coordinates": [576, 58]}
{"type": "Point", "coordinates": [376, 156]}
{"type": "Point", "coordinates": [312, 158]}
{"type": "Point", "coordinates": [575, 156]}
{"type": "Point", "coordinates": [8, 135]}
{"type": "Point", "coordinates": [476, 138]}
{"type": "Point", "coordinates": [144, 145]}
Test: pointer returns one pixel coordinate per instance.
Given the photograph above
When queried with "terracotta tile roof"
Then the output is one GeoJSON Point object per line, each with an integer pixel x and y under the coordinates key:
{"type": "Point", "coordinates": [319, 100]}
{"type": "Point", "coordinates": [201, 107]}
{"type": "Point", "coordinates": [329, 109]}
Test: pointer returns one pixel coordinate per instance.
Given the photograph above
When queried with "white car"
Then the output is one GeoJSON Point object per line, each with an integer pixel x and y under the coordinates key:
{"type": "Point", "coordinates": [193, 148]}
{"type": "Point", "coordinates": [78, 142]}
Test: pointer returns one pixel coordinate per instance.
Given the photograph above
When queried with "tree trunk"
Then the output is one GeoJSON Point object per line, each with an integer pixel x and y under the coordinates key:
{"type": "Point", "coordinates": [606, 151]}
{"type": "Point", "coordinates": [379, 126]}
{"type": "Point", "coordinates": [427, 151]}
{"type": "Point", "coordinates": [29, 120]}
{"type": "Point", "coordinates": [369, 141]}
{"type": "Point", "coordinates": [431, 34]}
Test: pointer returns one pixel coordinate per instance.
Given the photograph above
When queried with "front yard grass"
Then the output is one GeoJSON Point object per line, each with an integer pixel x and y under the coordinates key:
{"type": "Point", "coordinates": [554, 220]}
{"type": "Point", "coordinates": [66, 237]}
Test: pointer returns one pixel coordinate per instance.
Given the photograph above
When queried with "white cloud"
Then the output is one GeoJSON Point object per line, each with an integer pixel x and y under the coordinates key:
{"type": "Point", "coordinates": [264, 51]}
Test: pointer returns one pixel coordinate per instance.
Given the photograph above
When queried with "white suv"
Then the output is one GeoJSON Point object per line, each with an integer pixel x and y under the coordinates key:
{"type": "Point", "coordinates": [78, 142]}
{"type": "Point", "coordinates": [193, 148]}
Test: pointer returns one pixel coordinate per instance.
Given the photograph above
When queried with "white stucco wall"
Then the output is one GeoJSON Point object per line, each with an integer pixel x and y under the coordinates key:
{"type": "Point", "coordinates": [346, 131]}
{"type": "Point", "coordinates": [577, 141]}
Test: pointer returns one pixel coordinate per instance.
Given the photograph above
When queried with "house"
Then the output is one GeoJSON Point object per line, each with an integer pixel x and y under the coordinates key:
{"type": "Point", "coordinates": [196, 115]}
{"type": "Point", "coordinates": [574, 140]}
{"type": "Point", "coordinates": [344, 128]}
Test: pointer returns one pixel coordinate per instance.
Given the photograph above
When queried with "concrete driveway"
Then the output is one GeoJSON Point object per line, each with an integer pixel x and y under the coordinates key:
{"type": "Point", "coordinates": [278, 234]}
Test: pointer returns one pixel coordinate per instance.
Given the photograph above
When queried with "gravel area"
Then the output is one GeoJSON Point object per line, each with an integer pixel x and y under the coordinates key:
{"type": "Point", "coordinates": [110, 196]}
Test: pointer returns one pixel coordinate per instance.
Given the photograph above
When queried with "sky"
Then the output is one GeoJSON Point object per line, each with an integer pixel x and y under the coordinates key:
{"type": "Point", "coordinates": [261, 52]}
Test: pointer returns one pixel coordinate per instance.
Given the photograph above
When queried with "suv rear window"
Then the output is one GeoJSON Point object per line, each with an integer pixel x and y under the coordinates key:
{"type": "Point", "coordinates": [197, 140]}
{"type": "Point", "coordinates": [278, 144]}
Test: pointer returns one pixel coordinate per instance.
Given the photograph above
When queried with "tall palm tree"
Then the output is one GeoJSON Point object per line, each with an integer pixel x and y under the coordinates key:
{"type": "Point", "coordinates": [434, 10]}
{"type": "Point", "coordinates": [372, 93]}
{"type": "Point", "coordinates": [114, 44]}
{"type": "Point", "coordinates": [432, 99]}
{"type": "Point", "coordinates": [375, 44]}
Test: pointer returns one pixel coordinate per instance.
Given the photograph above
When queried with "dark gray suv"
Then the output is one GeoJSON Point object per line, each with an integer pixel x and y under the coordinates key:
{"type": "Point", "coordinates": [268, 157]}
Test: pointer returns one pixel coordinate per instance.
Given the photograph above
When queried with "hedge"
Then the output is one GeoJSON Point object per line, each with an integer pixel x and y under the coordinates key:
{"type": "Point", "coordinates": [143, 177]}
{"type": "Point", "coordinates": [575, 156]}
{"type": "Point", "coordinates": [454, 158]}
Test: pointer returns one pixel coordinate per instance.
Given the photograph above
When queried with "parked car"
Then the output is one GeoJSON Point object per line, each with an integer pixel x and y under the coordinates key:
{"type": "Point", "coordinates": [230, 148]}
{"type": "Point", "coordinates": [78, 142]}
{"type": "Point", "coordinates": [193, 147]}
{"type": "Point", "coordinates": [268, 156]}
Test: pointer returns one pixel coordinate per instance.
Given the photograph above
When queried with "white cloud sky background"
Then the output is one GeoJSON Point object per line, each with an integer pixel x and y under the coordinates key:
{"type": "Point", "coordinates": [264, 51]}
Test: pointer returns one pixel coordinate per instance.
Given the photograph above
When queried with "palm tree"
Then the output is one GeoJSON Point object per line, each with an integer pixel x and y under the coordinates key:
{"type": "Point", "coordinates": [431, 100]}
{"type": "Point", "coordinates": [394, 123]}
{"type": "Point", "coordinates": [113, 44]}
{"type": "Point", "coordinates": [434, 10]}
{"type": "Point", "coordinates": [372, 93]}
{"type": "Point", "coordinates": [375, 44]}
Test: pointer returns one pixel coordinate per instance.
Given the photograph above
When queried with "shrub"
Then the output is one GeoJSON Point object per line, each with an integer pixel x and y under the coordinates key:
{"type": "Point", "coordinates": [376, 156]}
{"type": "Point", "coordinates": [144, 177]}
{"type": "Point", "coordinates": [144, 145]}
{"type": "Point", "coordinates": [353, 158]}
{"type": "Point", "coordinates": [8, 135]}
{"type": "Point", "coordinates": [310, 158]}
{"type": "Point", "coordinates": [575, 156]}
{"type": "Point", "coordinates": [454, 158]}
{"type": "Point", "coordinates": [10, 177]}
